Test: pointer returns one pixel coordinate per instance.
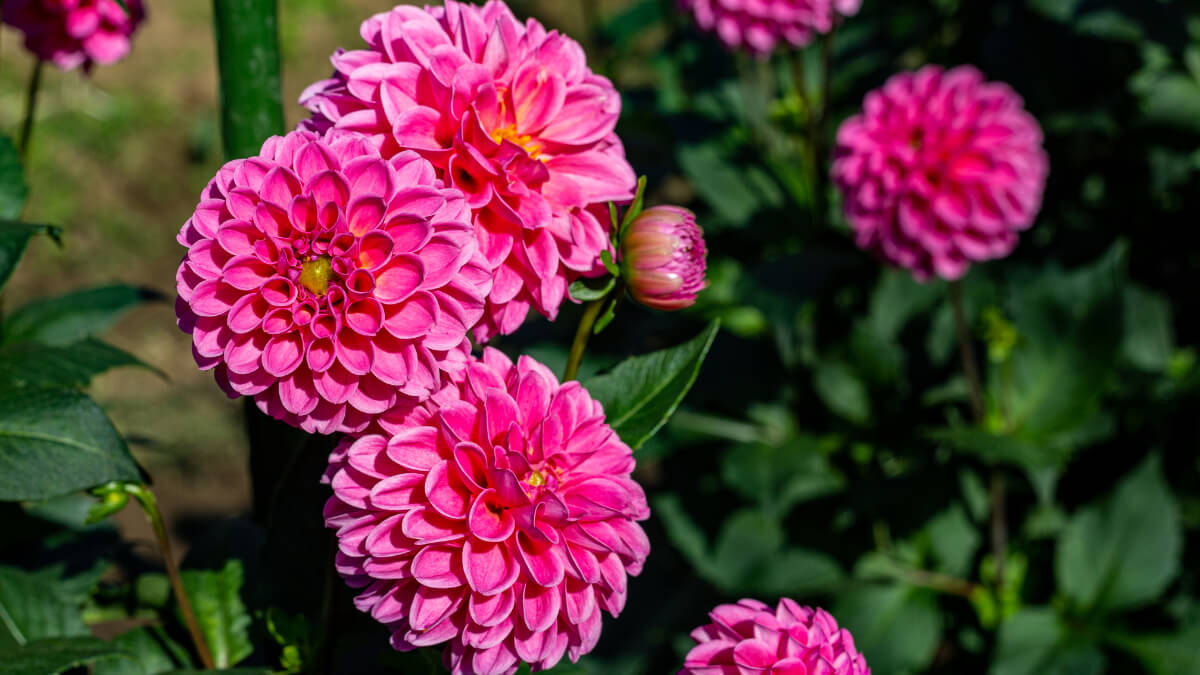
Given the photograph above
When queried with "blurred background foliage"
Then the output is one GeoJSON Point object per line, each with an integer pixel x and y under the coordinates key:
{"type": "Point", "coordinates": [826, 453]}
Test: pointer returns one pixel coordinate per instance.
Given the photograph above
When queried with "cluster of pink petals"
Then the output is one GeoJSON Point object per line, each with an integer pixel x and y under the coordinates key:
{"type": "Point", "coordinates": [750, 638]}
{"type": "Point", "coordinates": [663, 256]}
{"type": "Point", "coordinates": [501, 518]}
{"type": "Point", "coordinates": [760, 25]}
{"type": "Point", "coordinates": [73, 33]}
{"type": "Point", "coordinates": [330, 284]}
{"type": "Point", "coordinates": [941, 169]}
{"type": "Point", "coordinates": [510, 114]}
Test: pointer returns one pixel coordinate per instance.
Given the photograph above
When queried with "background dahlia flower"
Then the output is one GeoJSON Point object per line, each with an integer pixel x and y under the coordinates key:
{"type": "Point", "coordinates": [510, 114]}
{"type": "Point", "coordinates": [71, 33]}
{"type": "Point", "coordinates": [760, 25]}
{"type": "Point", "coordinates": [750, 638]}
{"type": "Point", "coordinates": [330, 284]}
{"type": "Point", "coordinates": [501, 519]}
{"type": "Point", "coordinates": [941, 169]}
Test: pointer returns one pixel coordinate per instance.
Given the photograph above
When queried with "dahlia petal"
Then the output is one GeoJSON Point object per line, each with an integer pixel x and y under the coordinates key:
{"type": "Point", "coordinates": [489, 567]}
{"type": "Point", "coordinates": [415, 448]}
{"type": "Point", "coordinates": [444, 495]}
{"type": "Point", "coordinates": [540, 606]}
{"type": "Point", "coordinates": [488, 519]}
{"type": "Point", "coordinates": [438, 567]}
{"type": "Point", "coordinates": [431, 606]}
{"type": "Point", "coordinates": [396, 492]}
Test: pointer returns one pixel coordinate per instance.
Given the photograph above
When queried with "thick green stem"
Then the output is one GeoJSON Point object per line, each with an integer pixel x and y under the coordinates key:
{"type": "Point", "coordinates": [248, 58]}
{"type": "Point", "coordinates": [582, 334]}
{"type": "Point", "coordinates": [31, 96]}
{"type": "Point", "coordinates": [145, 497]}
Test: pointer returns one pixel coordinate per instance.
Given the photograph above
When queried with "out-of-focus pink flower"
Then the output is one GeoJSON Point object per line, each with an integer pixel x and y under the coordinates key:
{"type": "Point", "coordinates": [71, 33]}
{"type": "Point", "coordinates": [760, 25]}
{"type": "Point", "coordinates": [941, 169]}
{"type": "Point", "coordinates": [510, 114]}
{"type": "Point", "coordinates": [663, 258]}
{"type": "Point", "coordinates": [330, 284]}
{"type": "Point", "coordinates": [750, 638]}
{"type": "Point", "coordinates": [500, 518]}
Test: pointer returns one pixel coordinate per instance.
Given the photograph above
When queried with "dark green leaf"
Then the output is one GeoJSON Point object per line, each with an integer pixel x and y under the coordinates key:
{"type": "Point", "coordinates": [1122, 552]}
{"type": "Point", "coordinates": [635, 209]}
{"type": "Point", "coordinates": [747, 543]}
{"type": "Point", "coordinates": [587, 290]}
{"type": "Point", "coordinates": [1149, 339]}
{"type": "Point", "coordinates": [954, 541]}
{"type": "Point", "coordinates": [14, 237]}
{"type": "Point", "coordinates": [216, 599]}
{"type": "Point", "coordinates": [607, 314]}
{"type": "Point", "coordinates": [31, 608]}
{"type": "Point", "coordinates": [13, 190]}
{"type": "Point", "coordinates": [798, 572]}
{"type": "Point", "coordinates": [225, 671]}
{"type": "Point", "coordinates": [1035, 642]}
{"type": "Point", "coordinates": [642, 392]}
{"type": "Point", "coordinates": [687, 538]}
{"type": "Point", "coordinates": [56, 655]}
{"type": "Point", "coordinates": [842, 390]}
{"type": "Point", "coordinates": [778, 477]}
{"type": "Point", "coordinates": [248, 59]}
{"type": "Point", "coordinates": [64, 319]}
{"type": "Point", "coordinates": [1166, 653]}
{"type": "Point", "coordinates": [895, 627]}
{"type": "Point", "coordinates": [56, 441]}
{"type": "Point", "coordinates": [29, 364]}
{"type": "Point", "coordinates": [148, 651]}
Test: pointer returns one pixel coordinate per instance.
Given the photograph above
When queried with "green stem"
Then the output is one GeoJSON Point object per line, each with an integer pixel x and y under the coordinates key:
{"type": "Point", "coordinates": [967, 352]}
{"type": "Point", "coordinates": [145, 497]}
{"type": "Point", "coordinates": [582, 334]}
{"type": "Point", "coordinates": [35, 84]}
{"type": "Point", "coordinates": [821, 132]}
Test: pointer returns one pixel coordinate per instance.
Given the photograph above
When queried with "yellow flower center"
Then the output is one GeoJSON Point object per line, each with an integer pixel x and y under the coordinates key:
{"type": "Point", "coordinates": [526, 141]}
{"type": "Point", "coordinates": [315, 274]}
{"type": "Point", "coordinates": [536, 479]}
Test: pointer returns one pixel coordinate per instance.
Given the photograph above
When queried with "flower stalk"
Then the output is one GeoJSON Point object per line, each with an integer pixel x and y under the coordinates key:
{"type": "Point", "coordinates": [31, 96]}
{"type": "Point", "coordinates": [145, 498]}
{"type": "Point", "coordinates": [582, 334]}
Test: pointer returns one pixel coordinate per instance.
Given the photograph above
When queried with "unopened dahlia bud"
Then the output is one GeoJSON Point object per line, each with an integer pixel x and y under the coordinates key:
{"type": "Point", "coordinates": [751, 637]}
{"type": "Point", "coordinates": [663, 258]}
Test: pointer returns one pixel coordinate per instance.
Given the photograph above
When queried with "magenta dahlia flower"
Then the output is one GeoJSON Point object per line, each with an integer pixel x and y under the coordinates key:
{"type": "Point", "coordinates": [73, 33]}
{"type": "Point", "coordinates": [510, 114]}
{"type": "Point", "coordinates": [750, 638]}
{"type": "Point", "coordinates": [941, 169]}
{"type": "Point", "coordinates": [500, 519]}
{"type": "Point", "coordinates": [330, 284]}
{"type": "Point", "coordinates": [663, 258]}
{"type": "Point", "coordinates": [760, 25]}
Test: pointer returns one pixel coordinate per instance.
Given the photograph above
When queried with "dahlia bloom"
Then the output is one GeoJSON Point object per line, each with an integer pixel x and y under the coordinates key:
{"type": "Point", "coordinates": [510, 114]}
{"type": "Point", "coordinates": [663, 258]}
{"type": "Point", "coordinates": [500, 519]}
{"type": "Point", "coordinates": [73, 33]}
{"type": "Point", "coordinates": [760, 25]}
{"type": "Point", "coordinates": [941, 169]}
{"type": "Point", "coordinates": [330, 284]}
{"type": "Point", "coordinates": [750, 638]}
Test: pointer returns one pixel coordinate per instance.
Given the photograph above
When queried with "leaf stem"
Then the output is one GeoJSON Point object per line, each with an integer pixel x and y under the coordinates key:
{"type": "Point", "coordinates": [35, 85]}
{"type": "Point", "coordinates": [582, 334]}
{"type": "Point", "coordinates": [820, 133]}
{"type": "Point", "coordinates": [145, 497]}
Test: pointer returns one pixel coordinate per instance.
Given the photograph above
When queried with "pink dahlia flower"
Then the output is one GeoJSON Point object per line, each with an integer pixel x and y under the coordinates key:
{"type": "Point", "coordinates": [501, 519]}
{"type": "Point", "coordinates": [510, 114]}
{"type": "Point", "coordinates": [760, 25]}
{"type": "Point", "coordinates": [750, 638]}
{"type": "Point", "coordinates": [941, 169]}
{"type": "Point", "coordinates": [330, 284]}
{"type": "Point", "coordinates": [73, 33]}
{"type": "Point", "coordinates": [663, 258]}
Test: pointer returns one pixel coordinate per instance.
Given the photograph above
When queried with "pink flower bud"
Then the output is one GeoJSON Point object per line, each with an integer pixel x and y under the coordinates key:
{"type": "Point", "coordinates": [662, 258]}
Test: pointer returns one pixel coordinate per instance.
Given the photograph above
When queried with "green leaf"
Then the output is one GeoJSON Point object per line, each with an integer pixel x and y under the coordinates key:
{"type": "Point", "coordinates": [13, 190]}
{"type": "Point", "coordinates": [56, 655]}
{"type": "Point", "coordinates": [31, 608]}
{"type": "Point", "coordinates": [798, 572]}
{"type": "Point", "coordinates": [147, 651]}
{"type": "Point", "coordinates": [225, 671]}
{"type": "Point", "coordinates": [30, 364]}
{"type": "Point", "coordinates": [896, 628]}
{"type": "Point", "coordinates": [747, 543]}
{"type": "Point", "coordinates": [64, 319]}
{"type": "Point", "coordinates": [248, 60]}
{"type": "Point", "coordinates": [896, 300]}
{"type": "Point", "coordinates": [954, 541]}
{"type": "Point", "coordinates": [607, 314]}
{"type": "Point", "coordinates": [1122, 552]}
{"type": "Point", "coordinates": [56, 441]}
{"type": "Point", "coordinates": [635, 209]}
{"type": "Point", "coordinates": [1035, 642]}
{"type": "Point", "coordinates": [641, 393]}
{"type": "Point", "coordinates": [216, 599]}
{"type": "Point", "coordinates": [14, 237]}
{"type": "Point", "coordinates": [588, 290]}
{"type": "Point", "coordinates": [1166, 653]}
{"type": "Point", "coordinates": [1149, 340]}
{"type": "Point", "coordinates": [779, 477]}
{"type": "Point", "coordinates": [841, 389]}
{"type": "Point", "coordinates": [687, 538]}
